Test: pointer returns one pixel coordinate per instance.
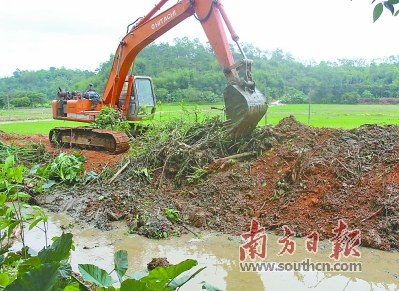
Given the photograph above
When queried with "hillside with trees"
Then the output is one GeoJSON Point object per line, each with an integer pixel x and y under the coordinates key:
{"type": "Point", "coordinates": [188, 70]}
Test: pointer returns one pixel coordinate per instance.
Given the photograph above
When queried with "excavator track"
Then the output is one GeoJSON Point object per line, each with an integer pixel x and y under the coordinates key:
{"type": "Point", "coordinates": [114, 142]}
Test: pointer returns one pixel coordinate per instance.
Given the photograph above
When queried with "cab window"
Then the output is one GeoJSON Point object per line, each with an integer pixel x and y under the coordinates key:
{"type": "Point", "coordinates": [144, 92]}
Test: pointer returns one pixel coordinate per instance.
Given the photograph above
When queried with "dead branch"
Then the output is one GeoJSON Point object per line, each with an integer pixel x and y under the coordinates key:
{"type": "Point", "coordinates": [237, 156]}
{"type": "Point", "coordinates": [345, 167]}
{"type": "Point", "coordinates": [278, 224]}
{"type": "Point", "coordinates": [190, 230]}
{"type": "Point", "coordinates": [374, 214]}
{"type": "Point", "coordinates": [119, 171]}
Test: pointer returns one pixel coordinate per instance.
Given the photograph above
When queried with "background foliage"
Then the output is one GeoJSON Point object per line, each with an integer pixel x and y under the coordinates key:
{"type": "Point", "coordinates": [189, 70]}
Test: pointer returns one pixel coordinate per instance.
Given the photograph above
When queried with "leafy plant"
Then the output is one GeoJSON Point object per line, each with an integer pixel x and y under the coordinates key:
{"type": "Point", "coordinates": [143, 172]}
{"type": "Point", "coordinates": [173, 215]}
{"type": "Point", "coordinates": [50, 270]}
{"type": "Point", "coordinates": [65, 168]}
{"type": "Point", "coordinates": [198, 174]}
{"type": "Point", "coordinates": [379, 7]}
{"type": "Point", "coordinates": [26, 153]}
{"type": "Point", "coordinates": [109, 118]}
{"type": "Point", "coordinates": [146, 114]}
{"type": "Point", "coordinates": [12, 216]}
{"type": "Point", "coordinates": [159, 105]}
{"type": "Point", "coordinates": [161, 278]}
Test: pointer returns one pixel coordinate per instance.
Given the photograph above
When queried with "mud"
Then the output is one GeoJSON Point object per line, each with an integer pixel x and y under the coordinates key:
{"type": "Point", "coordinates": [307, 178]}
{"type": "Point", "coordinates": [219, 254]}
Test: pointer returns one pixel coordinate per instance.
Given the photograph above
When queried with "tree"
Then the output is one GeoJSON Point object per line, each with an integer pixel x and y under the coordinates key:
{"type": "Point", "coordinates": [189, 70]}
{"type": "Point", "coordinates": [389, 5]}
{"type": "Point", "coordinates": [3, 101]}
{"type": "Point", "coordinates": [350, 98]}
{"type": "Point", "coordinates": [294, 96]}
{"type": "Point", "coordinates": [367, 94]}
{"type": "Point", "coordinates": [36, 98]}
{"type": "Point", "coordinates": [20, 102]}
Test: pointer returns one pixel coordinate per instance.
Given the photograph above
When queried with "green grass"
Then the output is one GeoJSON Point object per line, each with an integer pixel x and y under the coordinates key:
{"type": "Point", "coordinates": [189, 106]}
{"type": "Point", "coordinates": [25, 114]}
{"type": "Point", "coordinates": [167, 112]}
{"type": "Point", "coordinates": [333, 115]}
{"type": "Point", "coordinates": [335, 109]}
{"type": "Point", "coordinates": [34, 127]}
{"type": "Point", "coordinates": [322, 115]}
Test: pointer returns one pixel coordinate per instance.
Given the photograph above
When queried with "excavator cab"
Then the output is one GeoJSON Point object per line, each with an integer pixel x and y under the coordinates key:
{"type": "Point", "coordinates": [142, 101]}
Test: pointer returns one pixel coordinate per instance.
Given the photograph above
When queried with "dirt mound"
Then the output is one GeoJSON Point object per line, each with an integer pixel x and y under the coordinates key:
{"type": "Point", "coordinates": [291, 174]}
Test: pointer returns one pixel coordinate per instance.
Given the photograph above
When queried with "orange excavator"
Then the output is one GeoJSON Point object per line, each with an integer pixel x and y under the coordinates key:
{"type": "Point", "coordinates": [245, 105]}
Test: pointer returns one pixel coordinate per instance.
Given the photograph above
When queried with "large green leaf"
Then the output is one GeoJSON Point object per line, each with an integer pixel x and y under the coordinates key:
{"type": "Point", "coordinates": [160, 277]}
{"type": "Point", "coordinates": [377, 11]}
{"type": "Point", "coordinates": [107, 289]}
{"type": "Point", "coordinates": [138, 275]}
{"type": "Point", "coordinates": [120, 264]}
{"type": "Point", "coordinates": [209, 287]}
{"type": "Point", "coordinates": [35, 222]}
{"type": "Point", "coordinates": [3, 199]}
{"type": "Point", "coordinates": [48, 277]}
{"type": "Point", "coordinates": [389, 6]}
{"type": "Point", "coordinates": [179, 282]}
{"type": "Point", "coordinates": [11, 228]}
{"type": "Point", "coordinates": [48, 184]}
{"type": "Point", "coordinates": [65, 271]}
{"type": "Point", "coordinates": [94, 274]}
{"type": "Point", "coordinates": [9, 162]}
{"type": "Point", "coordinates": [11, 258]}
{"type": "Point", "coordinates": [4, 279]}
{"type": "Point", "coordinates": [171, 272]}
{"type": "Point", "coordinates": [58, 251]}
{"type": "Point", "coordinates": [131, 284]}
{"type": "Point", "coordinates": [16, 173]}
{"type": "Point", "coordinates": [28, 265]}
{"type": "Point", "coordinates": [76, 286]}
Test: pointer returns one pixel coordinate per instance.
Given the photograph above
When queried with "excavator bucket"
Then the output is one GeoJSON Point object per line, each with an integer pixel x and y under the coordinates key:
{"type": "Point", "coordinates": [244, 109]}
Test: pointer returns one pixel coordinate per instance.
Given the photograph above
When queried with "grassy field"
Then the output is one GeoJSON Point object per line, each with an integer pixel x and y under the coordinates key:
{"type": "Point", "coordinates": [25, 114]}
{"type": "Point", "coordinates": [321, 115]}
{"type": "Point", "coordinates": [336, 115]}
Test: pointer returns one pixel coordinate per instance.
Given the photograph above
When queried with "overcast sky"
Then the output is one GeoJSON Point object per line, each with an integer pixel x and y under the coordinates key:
{"type": "Point", "coordinates": [80, 34]}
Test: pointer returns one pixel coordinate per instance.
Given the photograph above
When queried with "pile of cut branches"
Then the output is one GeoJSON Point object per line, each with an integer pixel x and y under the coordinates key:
{"type": "Point", "coordinates": [355, 153]}
{"type": "Point", "coordinates": [184, 149]}
{"type": "Point", "coordinates": [109, 118]}
{"type": "Point", "coordinates": [26, 153]}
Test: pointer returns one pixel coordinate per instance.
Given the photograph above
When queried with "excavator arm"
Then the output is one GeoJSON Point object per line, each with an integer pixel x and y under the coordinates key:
{"type": "Point", "coordinates": [245, 105]}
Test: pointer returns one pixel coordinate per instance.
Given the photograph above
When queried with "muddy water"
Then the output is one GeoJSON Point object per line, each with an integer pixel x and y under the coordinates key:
{"type": "Point", "coordinates": [219, 253]}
